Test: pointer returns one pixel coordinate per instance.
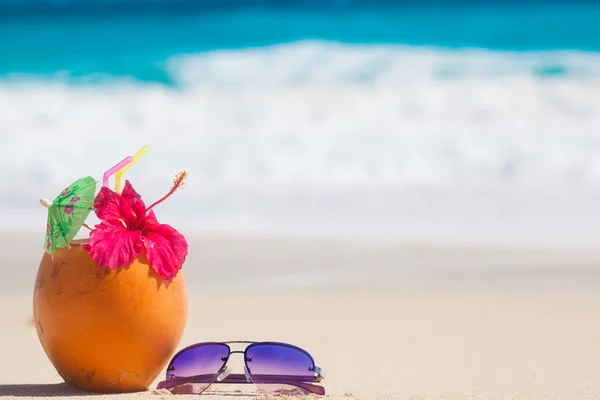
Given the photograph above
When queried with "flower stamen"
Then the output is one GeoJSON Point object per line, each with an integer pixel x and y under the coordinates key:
{"type": "Point", "coordinates": [178, 182]}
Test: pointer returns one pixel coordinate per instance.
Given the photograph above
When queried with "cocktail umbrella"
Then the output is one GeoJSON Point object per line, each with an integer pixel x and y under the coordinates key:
{"type": "Point", "coordinates": [67, 213]}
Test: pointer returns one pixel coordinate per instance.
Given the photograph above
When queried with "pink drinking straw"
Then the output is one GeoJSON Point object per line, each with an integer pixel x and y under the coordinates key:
{"type": "Point", "coordinates": [114, 169]}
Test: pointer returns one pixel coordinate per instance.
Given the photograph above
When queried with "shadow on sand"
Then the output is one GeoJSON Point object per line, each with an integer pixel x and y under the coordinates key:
{"type": "Point", "coordinates": [40, 390]}
{"type": "Point", "coordinates": [63, 390]}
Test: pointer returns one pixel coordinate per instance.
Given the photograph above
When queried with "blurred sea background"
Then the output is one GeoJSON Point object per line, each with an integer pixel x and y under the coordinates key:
{"type": "Point", "coordinates": [438, 123]}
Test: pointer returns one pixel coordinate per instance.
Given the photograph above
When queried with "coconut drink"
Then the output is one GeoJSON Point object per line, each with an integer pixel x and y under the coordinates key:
{"type": "Point", "coordinates": [110, 309]}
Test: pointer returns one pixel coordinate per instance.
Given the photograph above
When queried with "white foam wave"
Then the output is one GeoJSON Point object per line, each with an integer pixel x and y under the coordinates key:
{"type": "Point", "coordinates": [346, 156]}
{"type": "Point", "coordinates": [333, 64]}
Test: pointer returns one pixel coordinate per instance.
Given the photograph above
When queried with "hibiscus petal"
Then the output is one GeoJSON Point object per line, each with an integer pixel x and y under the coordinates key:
{"type": "Point", "coordinates": [133, 199]}
{"type": "Point", "coordinates": [113, 246]}
{"type": "Point", "coordinates": [166, 249]}
{"type": "Point", "coordinates": [112, 207]}
{"type": "Point", "coordinates": [150, 219]}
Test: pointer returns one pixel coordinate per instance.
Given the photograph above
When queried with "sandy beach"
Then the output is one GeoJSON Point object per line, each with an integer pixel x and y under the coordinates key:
{"type": "Point", "coordinates": [418, 322]}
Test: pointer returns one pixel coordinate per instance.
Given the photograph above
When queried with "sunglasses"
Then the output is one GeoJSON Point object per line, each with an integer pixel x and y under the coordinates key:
{"type": "Point", "coordinates": [275, 368]}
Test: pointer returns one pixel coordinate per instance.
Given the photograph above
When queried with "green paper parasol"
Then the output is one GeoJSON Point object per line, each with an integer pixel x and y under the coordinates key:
{"type": "Point", "coordinates": [67, 213]}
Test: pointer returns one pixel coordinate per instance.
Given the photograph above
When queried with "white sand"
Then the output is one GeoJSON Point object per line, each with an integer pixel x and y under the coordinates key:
{"type": "Point", "coordinates": [443, 329]}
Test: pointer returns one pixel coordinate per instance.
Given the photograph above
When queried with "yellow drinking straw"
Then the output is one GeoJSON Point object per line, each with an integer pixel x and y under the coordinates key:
{"type": "Point", "coordinates": [119, 174]}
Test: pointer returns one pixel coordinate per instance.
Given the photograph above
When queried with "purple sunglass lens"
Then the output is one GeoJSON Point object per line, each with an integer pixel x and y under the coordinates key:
{"type": "Point", "coordinates": [194, 369]}
{"type": "Point", "coordinates": [271, 366]}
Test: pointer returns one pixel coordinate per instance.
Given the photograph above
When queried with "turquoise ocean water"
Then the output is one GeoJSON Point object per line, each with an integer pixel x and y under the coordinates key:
{"type": "Point", "coordinates": [136, 39]}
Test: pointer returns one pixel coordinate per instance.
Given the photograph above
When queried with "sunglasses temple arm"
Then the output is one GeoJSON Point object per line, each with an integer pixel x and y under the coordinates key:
{"type": "Point", "coordinates": [277, 379]}
{"type": "Point", "coordinates": [171, 383]}
{"type": "Point", "coordinates": [241, 378]}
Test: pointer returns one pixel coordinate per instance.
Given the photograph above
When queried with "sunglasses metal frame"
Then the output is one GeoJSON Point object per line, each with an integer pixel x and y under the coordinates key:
{"type": "Point", "coordinates": [309, 386]}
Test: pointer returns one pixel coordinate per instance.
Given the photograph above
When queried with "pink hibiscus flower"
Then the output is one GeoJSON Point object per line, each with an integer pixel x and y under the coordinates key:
{"type": "Point", "coordinates": [69, 208]}
{"type": "Point", "coordinates": [128, 226]}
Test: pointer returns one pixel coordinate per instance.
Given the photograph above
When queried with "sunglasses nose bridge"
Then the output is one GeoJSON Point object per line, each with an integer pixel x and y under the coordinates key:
{"type": "Point", "coordinates": [247, 373]}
